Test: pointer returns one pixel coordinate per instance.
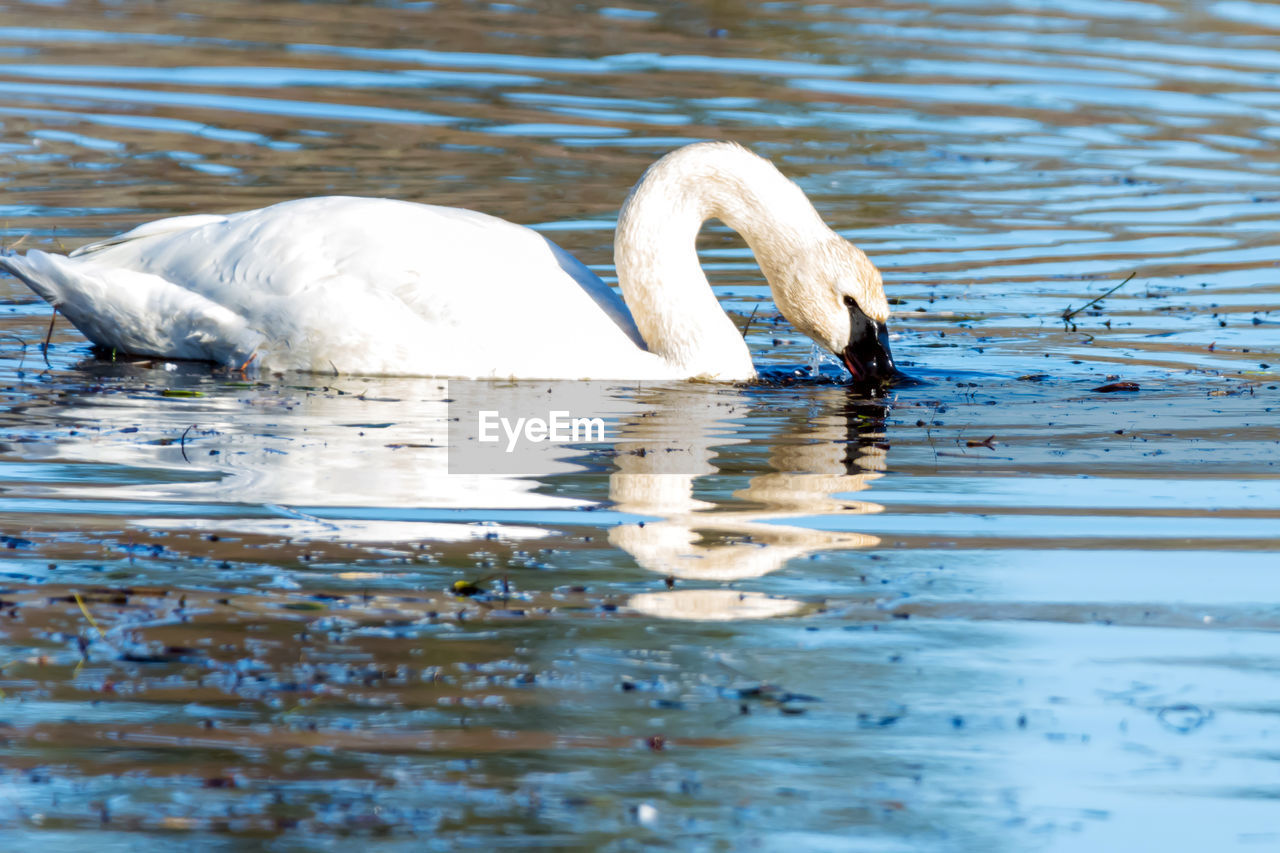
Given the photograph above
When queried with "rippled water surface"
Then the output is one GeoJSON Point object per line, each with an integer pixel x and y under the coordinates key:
{"type": "Point", "coordinates": [998, 609]}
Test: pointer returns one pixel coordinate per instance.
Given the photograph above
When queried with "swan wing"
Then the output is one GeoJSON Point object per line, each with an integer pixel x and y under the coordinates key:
{"type": "Point", "coordinates": [352, 285]}
{"type": "Point", "coordinates": [151, 229]}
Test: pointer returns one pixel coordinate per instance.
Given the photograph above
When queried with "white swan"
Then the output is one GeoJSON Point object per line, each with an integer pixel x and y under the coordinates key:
{"type": "Point", "coordinates": [375, 286]}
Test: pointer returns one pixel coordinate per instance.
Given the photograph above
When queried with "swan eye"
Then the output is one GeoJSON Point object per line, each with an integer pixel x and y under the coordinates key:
{"type": "Point", "coordinates": [849, 301]}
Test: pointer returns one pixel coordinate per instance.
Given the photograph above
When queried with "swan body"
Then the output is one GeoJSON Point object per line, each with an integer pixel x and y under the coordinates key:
{"type": "Point", "coordinates": [385, 287]}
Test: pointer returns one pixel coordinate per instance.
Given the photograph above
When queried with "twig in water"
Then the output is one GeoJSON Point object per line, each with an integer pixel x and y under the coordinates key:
{"type": "Point", "coordinates": [1068, 314]}
{"type": "Point", "coordinates": [48, 336]}
{"type": "Point", "coordinates": [87, 614]}
{"type": "Point", "coordinates": [301, 516]}
{"type": "Point", "coordinates": [747, 326]}
{"type": "Point", "coordinates": [182, 443]}
{"type": "Point", "coordinates": [972, 456]}
{"type": "Point", "coordinates": [22, 344]}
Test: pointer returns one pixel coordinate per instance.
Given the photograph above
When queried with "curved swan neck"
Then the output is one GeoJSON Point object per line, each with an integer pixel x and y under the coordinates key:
{"type": "Point", "coordinates": [654, 248]}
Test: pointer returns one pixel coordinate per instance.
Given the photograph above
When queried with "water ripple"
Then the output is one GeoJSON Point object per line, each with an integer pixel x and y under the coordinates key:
{"type": "Point", "coordinates": [1025, 603]}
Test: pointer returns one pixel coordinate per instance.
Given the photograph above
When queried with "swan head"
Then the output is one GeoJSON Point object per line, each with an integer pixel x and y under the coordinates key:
{"type": "Point", "coordinates": [834, 294]}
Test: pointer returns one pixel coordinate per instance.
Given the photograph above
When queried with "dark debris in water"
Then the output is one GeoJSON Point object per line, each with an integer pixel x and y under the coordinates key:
{"type": "Point", "coordinates": [1183, 717]}
{"type": "Point", "coordinates": [791, 377]}
{"type": "Point", "coordinates": [1114, 387]}
{"type": "Point", "coordinates": [299, 696]}
{"type": "Point", "coordinates": [787, 377]}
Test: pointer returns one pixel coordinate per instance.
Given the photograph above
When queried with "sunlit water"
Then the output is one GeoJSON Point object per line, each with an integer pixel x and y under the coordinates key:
{"type": "Point", "coordinates": [993, 610]}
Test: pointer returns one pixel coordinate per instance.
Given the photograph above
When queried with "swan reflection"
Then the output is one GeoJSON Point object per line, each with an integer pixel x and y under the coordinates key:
{"type": "Point", "coordinates": [713, 482]}
{"type": "Point", "coordinates": [810, 458]}
{"type": "Point", "coordinates": [380, 445]}
{"type": "Point", "coordinates": [713, 605]}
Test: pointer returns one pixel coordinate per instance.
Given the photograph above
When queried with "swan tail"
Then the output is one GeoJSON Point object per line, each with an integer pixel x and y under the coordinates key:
{"type": "Point", "coordinates": [136, 312]}
{"type": "Point", "coordinates": [16, 265]}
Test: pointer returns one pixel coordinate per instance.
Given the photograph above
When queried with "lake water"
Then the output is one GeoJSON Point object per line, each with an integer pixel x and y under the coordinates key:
{"type": "Point", "coordinates": [997, 609]}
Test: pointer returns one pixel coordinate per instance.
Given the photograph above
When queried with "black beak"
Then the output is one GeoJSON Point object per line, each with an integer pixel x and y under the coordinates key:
{"type": "Point", "coordinates": [867, 355]}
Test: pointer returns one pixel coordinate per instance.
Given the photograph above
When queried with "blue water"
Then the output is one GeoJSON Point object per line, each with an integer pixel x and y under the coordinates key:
{"type": "Point", "coordinates": [995, 609]}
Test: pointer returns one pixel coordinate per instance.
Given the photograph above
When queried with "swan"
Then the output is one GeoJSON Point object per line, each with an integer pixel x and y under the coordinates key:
{"type": "Point", "coordinates": [385, 287]}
